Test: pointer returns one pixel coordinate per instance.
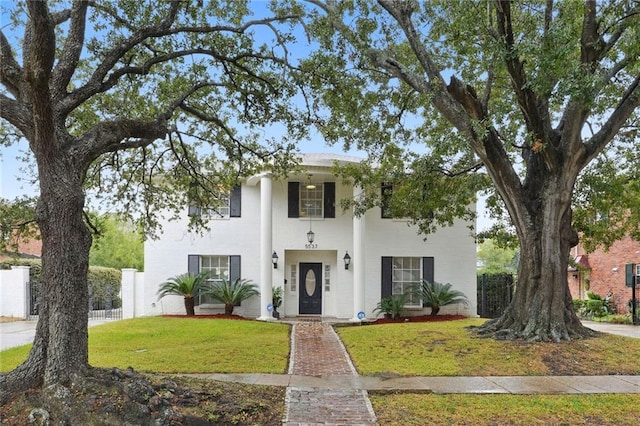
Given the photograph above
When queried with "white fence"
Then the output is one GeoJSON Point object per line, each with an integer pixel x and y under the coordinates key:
{"type": "Point", "coordinates": [15, 297]}
{"type": "Point", "coordinates": [138, 299]}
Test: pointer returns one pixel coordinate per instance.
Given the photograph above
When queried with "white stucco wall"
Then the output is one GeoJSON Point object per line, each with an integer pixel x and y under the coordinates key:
{"type": "Point", "coordinates": [14, 292]}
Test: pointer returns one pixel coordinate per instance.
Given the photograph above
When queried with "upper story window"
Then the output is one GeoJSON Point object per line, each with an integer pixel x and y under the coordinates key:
{"type": "Point", "coordinates": [221, 208]}
{"type": "Point", "coordinates": [316, 201]}
{"type": "Point", "coordinates": [389, 210]}
{"type": "Point", "coordinates": [223, 205]}
{"type": "Point", "coordinates": [311, 200]}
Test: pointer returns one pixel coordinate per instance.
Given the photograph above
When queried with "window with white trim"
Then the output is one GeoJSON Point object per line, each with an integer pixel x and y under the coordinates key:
{"type": "Point", "coordinates": [311, 200]}
{"type": "Point", "coordinates": [221, 206]}
{"type": "Point", "coordinates": [218, 267]}
{"type": "Point", "coordinates": [406, 275]}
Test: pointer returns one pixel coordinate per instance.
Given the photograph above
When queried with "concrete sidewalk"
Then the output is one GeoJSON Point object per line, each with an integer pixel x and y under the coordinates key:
{"type": "Point", "coordinates": [522, 385]}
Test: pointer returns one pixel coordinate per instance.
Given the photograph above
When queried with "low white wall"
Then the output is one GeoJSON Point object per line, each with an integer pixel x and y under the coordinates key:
{"type": "Point", "coordinates": [14, 292]}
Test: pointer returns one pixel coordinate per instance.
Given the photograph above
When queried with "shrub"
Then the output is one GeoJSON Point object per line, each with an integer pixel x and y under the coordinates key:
{"type": "Point", "coordinates": [435, 295]}
{"type": "Point", "coordinates": [231, 293]}
{"type": "Point", "coordinates": [98, 279]}
{"type": "Point", "coordinates": [189, 286]}
{"type": "Point", "coordinates": [391, 306]}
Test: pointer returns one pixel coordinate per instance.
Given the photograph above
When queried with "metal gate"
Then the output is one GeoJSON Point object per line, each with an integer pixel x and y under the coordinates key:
{"type": "Point", "coordinates": [34, 300]}
{"type": "Point", "coordinates": [495, 292]}
{"type": "Point", "coordinates": [105, 302]}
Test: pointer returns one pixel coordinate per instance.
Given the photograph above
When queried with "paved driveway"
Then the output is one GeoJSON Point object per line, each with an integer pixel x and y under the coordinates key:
{"type": "Point", "coordinates": [18, 333]}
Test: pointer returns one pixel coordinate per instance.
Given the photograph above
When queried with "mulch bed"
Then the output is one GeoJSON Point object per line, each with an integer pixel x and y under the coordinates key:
{"type": "Point", "coordinates": [420, 318]}
{"type": "Point", "coordinates": [213, 316]}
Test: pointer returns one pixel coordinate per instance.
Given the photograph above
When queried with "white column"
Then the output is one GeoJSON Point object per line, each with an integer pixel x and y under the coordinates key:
{"type": "Point", "coordinates": [128, 293]}
{"type": "Point", "coordinates": [266, 246]}
{"type": "Point", "coordinates": [357, 261]}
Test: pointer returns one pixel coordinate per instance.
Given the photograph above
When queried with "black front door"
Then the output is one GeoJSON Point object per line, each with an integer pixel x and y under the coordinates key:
{"type": "Point", "coordinates": [311, 288]}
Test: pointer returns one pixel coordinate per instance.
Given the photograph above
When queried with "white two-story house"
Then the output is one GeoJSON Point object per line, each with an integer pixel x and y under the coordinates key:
{"type": "Point", "coordinates": [292, 234]}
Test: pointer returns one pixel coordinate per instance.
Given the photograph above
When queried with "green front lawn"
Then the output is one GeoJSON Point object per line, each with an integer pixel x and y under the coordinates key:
{"type": "Point", "coordinates": [449, 349]}
{"type": "Point", "coordinates": [182, 345]}
{"type": "Point", "coordinates": [481, 410]}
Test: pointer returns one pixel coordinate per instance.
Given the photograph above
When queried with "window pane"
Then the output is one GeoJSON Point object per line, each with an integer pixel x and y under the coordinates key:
{"type": "Point", "coordinates": [311, 201]}
{"type": "Point", "coordinates": [406, 274]}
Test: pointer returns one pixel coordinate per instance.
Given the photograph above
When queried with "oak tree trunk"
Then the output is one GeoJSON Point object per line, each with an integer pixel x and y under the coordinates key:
{"type": "Point", "coordinates": [60, 349]}
{"type": "Point", "coordinates": [542, 308]}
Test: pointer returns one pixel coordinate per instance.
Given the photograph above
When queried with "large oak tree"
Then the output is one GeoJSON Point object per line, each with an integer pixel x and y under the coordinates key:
{"type": "Point", "coordinates": [126, 102]}
{"type": "Point", "coordinates": [527, 92]}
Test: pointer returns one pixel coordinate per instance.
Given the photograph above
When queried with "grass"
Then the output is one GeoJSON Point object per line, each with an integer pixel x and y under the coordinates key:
{"type": "Point", "coordinates": [167, 345]}
{"type": "Point", "coordinates": [182, 345]}
{"type": "Point", "coordinates": [448, 349]}
{"type": "Point", "coordinates": [478, 410]}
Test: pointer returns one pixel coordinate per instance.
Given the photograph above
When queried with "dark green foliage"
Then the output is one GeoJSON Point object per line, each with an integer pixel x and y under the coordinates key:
{"type": "Point", "coordinates": [436, 295]}
{"type": "Point", "coordinates": [391, 305]}
{"type": "Point", "coordinates": [98, 277]}
{"type": "Point", "coordinates": [231, 293]}
{"type": "Point", "coordinates": [186, 285]}
{"type": "Point", "coordinates": [595, 306]}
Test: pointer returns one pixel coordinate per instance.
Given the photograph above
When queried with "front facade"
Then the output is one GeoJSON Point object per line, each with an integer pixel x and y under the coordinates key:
{"type": "Point", "coordinates": [270, 220]}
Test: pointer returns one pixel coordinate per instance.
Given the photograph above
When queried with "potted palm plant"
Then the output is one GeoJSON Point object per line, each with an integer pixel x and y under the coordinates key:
{"type": "Point", "coordinates": [276, 301]}
{"type": "Point", "coordinates": [188, 286]}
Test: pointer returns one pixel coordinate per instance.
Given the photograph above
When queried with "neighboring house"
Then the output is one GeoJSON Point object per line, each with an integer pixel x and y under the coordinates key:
{"type": "Point", "coordinates": [30, 248]}
{"type": "Point", "coordinates": [264, 235]}
{"type": "Point", "coordinates": [603, 272]}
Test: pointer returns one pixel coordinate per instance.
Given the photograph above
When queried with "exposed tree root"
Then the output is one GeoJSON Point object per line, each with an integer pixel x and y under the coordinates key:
{"type": "Point", "coordinates": [115, 396]}
{"type": "Point", "coordinates": [534, 329]}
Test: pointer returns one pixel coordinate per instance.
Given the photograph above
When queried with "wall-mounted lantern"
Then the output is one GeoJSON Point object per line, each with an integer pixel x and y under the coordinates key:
{"type": "Point", "coordinates": [347, 260]}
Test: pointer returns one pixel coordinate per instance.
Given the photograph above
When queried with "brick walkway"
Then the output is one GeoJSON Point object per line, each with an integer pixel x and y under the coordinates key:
{"type": "Point", "coordinates": [317, 351]}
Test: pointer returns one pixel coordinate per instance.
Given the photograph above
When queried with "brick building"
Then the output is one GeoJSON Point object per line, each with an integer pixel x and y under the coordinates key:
{"type": "Point", "coordinates": [602, 272]}
{"type": "Point", "coordinates": [26, 248]}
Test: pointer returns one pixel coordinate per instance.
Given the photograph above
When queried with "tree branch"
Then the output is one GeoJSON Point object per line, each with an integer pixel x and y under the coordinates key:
{"type": "Point", "coordinates": [627, 105]}
{"type": "Point", "coordinates": [10, 70]}
{"type": "Point", "coordinates": [71, 51]}
{"type": "Point", "coordinates": [17, 114]}
{"type": "Point", "coordinates": [535, 112]}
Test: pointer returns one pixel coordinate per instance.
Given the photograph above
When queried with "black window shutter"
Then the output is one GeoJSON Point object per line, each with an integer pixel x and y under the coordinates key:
{"type": "Point", "coordinates": [385, 193]}
{"type": "Point", "coordinates": [387, 276]}
{"type": "Point", "coordinates": [193, 267]}
{"type": "Point", "coordinates": [234, 270]}
{"type": "Point", "coordinates": [235, 202]}
{"type": "Point", "coordinates": [427, 270]}
{"type": "Point", "coordinates": [330, 199]}
{"type": "Point", "coordinates": [193, 264]}
{"type": "Point", "coordinates": [294, 199]}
